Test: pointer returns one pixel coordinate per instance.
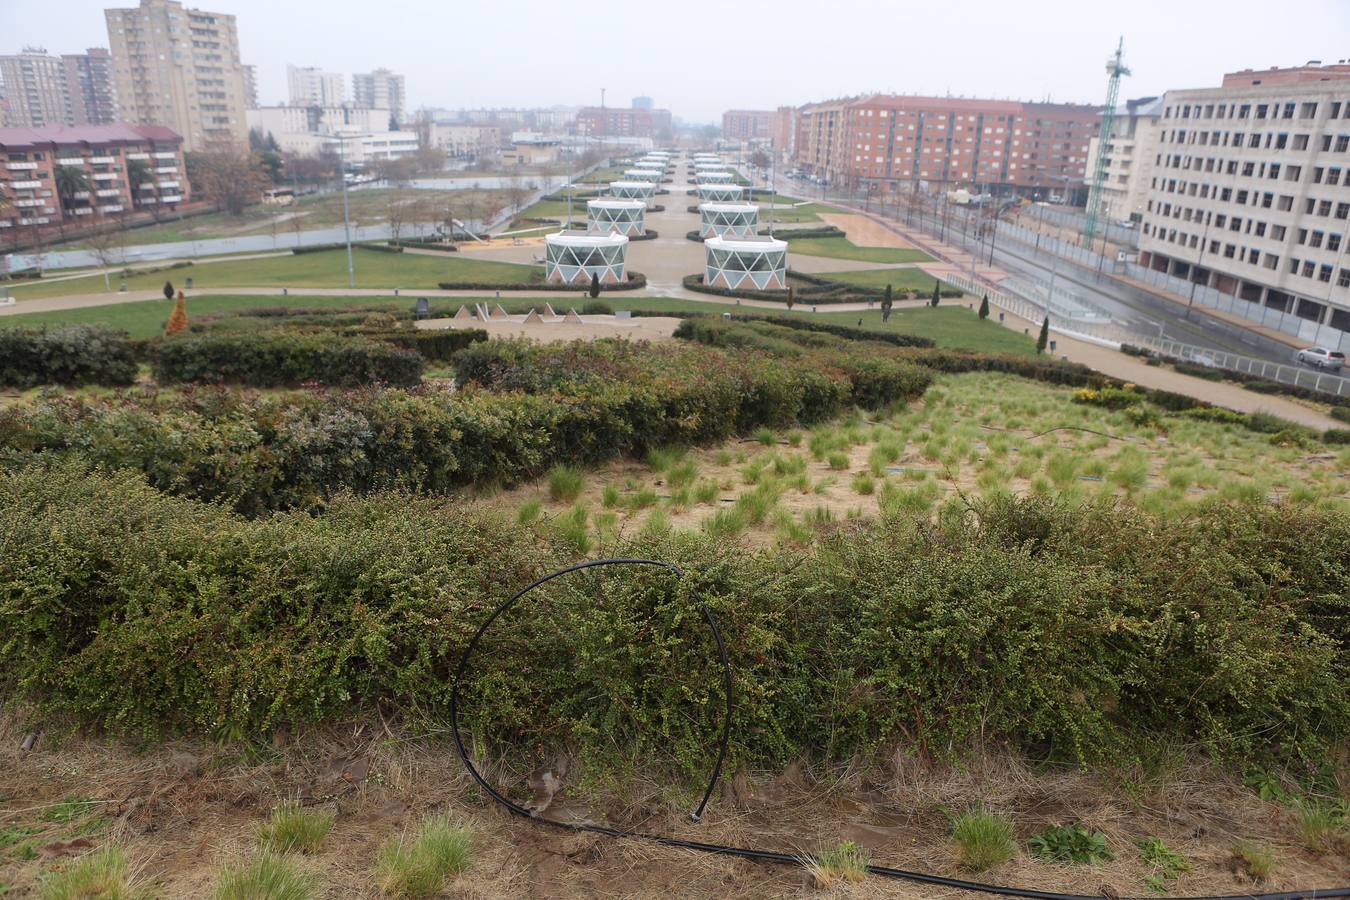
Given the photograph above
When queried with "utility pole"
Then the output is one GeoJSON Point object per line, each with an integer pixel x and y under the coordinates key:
{"type": "Point", "coordinates": [346, 212]}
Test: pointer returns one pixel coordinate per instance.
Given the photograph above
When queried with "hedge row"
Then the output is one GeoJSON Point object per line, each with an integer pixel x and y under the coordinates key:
{"type": "Point", "coordinates": [1247, 380]}
{"type": "Point", "coordinates": [793, 234]}
{"type": "Point", "coordinates": [279, 358]}
{"type": "Point", "coordinates": [816, 290]}
{"type": "Point", "coordinates": [71, 354]}
{"type": "Point", "coordinates": [1056, 628]}
{"type": "Point", "coordinates": [636, 280]}
{"type": "Point", "coordinates": [572, 404]}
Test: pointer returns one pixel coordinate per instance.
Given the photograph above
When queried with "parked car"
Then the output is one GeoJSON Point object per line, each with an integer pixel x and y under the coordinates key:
{"type": "Point", "coordinates": [1322, 358]}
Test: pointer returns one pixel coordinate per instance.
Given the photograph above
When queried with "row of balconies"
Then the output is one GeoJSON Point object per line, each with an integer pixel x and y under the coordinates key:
{"type": "Point", "coordinates": [22, 166]}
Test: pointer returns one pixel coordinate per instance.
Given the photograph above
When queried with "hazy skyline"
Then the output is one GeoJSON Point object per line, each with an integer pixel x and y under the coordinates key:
{"type": "Point", "coordinates": [699, 61]}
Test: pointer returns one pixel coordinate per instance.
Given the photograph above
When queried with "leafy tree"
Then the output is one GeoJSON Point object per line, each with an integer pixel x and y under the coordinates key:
{"type": "Point", "coordinates": [168, 290]}
{"type": "Point", "coordinates": [984, 307]}
{"type": "Point", "coordinates": [595, 285]}
{"type": "Point", "coordinates": [1044, 338]}
{"type": "Point", "coordinates": [272, 162]}
{"type": "Point", "coordinates": [937, 291]}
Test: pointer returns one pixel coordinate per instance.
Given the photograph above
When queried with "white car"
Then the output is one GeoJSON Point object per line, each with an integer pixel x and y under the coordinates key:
{"type": "Point", "coordinates": [1322, 358]}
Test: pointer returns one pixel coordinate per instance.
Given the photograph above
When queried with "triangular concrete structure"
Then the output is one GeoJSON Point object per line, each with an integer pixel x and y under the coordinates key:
{"type": "Point", "coordinates": [463, 313]}
{"type": "Point", "coordinates": [481, 310]}
{"type": "Point", "coordinates": [500, 313]}
{"type": "Point", "coordinates": [572, 317]}
{"type": "Point", "coordinates": [533, 316]}
{"type": "Point", "coordinates": [548, 311]}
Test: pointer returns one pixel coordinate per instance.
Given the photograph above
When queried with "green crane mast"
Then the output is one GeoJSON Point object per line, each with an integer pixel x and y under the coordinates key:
{"type": "Point", "coordinates": [1115, 68]}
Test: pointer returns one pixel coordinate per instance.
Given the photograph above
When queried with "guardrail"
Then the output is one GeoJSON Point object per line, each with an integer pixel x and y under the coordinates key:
{"type": "Point", "coordinates": [1323, 382]}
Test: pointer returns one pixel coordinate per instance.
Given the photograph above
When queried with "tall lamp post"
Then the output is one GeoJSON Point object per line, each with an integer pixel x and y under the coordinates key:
{"type": "Point", "coordinates": [346, 210]}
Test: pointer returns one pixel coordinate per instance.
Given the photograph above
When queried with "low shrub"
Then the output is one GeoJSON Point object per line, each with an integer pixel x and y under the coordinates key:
{"type": "Point", "coordinates": [1341, 413]}
{"type": "Point", "coordinates": [69, 355]}
{"type": "Point", "coordinates": [1336, 436]}
{"type": "Point", "coordinates": [439, 344]}
{"type": "Point", "coordinates": [1032, 621]}
{"type": "Point", "coordinates": [596, 308]}
{"type": "Point", "coordinates": [1108, 397]}
{"type": "Point", "coordinates": [1209, 373]}
{"type": "Point", "coordinates": [792, 234]}
{"type": "Point", "coordinates": [635, 281]}
{"type": "Point", "coordinates": [1071, 844]}
{"type": "Point", "coordinates": [275, 358]}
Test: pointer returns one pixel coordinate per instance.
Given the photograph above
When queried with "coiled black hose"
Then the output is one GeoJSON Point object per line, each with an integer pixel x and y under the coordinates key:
{"type": "Point", "coordinates": [725, 738]}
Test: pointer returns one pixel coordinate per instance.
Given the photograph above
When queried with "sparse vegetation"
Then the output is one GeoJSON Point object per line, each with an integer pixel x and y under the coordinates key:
{"type": "Point", "coordinates": [104, 874]}
{"type": "Point", "coordinates": [292, 827]}
{"type": "Point", "coordinates": [983, 840]}
{"type": "Point", "coordinates": [266, 876]}
{"type": "Point", "coordinates": [845, 861]}
{"type": "Point", "coordinates": [417, 867]}
{"type": "Point", "coordinates": [1070, 844]}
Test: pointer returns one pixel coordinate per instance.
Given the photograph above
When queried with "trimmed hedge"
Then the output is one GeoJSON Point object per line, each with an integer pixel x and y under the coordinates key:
{"type": "Point", "coordinates": [790, 234]}
{"type": "Point", "coordinates": [572, 404]}
{"type": "Point", "coordinates": [367, 245]}
{"type": "Point", "coordinates": [278, 358]}
{"type": "Point", "coordinates": [439, 344]}
{"type": "Point", "coordinates": [71, 355]}
{"type": "Point", "coordinates": [816, 290]}
{"type": "Point", "coordinates": [636, 280]}
{"type": "Point", "coordinates": [1029, 623]}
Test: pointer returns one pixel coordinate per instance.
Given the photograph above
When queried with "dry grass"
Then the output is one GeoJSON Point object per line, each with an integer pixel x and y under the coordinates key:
{"type": "Point", "coordinates": [292, 827]}
{"type": "Point", "coordinates": [268, 876]}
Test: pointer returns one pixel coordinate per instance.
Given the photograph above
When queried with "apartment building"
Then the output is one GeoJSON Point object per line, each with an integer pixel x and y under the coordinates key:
{"type": "Point", "coordinates": [749, 124]}
{"type": "Point", "coordinates": [1130, 151]}
{"type": "Point", "coordinates": [310, 130]}
{"type": "Point", "coordinates": [785, 130]}
{"type": "Point", "coordinates": [1250, 196]}
{"type": "Point", "coordinates": [308, 86]}
{"type": "Point", "coordinates": [180, 68]}
{"type": "Point", "coordinates": [892, 142]}
{"type": "Point", "coordinates": [464, 140]}
{"type": "Point", "coordinates": [250, 87]}
{"type": "Point", "coordinates": [109, 159]}
{"type": "Point", "coordinates": [89, 81]}
{"type": "Point", "coordinates": [381, 89]}
{"type": "Point", "coordinates": [607, 121]}
{"type": "Point", "coordinates": [37, 89]}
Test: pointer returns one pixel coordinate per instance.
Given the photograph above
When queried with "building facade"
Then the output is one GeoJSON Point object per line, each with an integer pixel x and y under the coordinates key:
{"type": "Point", "coordinates": [250, 87]}
{"type": "Point", "coordinates": [619, 122]}
{"type": "Point", "coordinates": [37, 89]}
{"type": "Point", "coordinates": [89, 79]}
{"type": "Point", "coordinates": [180, 68]}
{"type": "Point", "coordinates": [380, 89]}
{"type": "Point", "coordinates": [464, 140]}
{"type": "Point", "coordinates": [1250, 196]}
{"type": "Point", "coordinates": [893, 142]}
{"type": "Point", "coordinates": [123, 168]}
{"type": "Point", "coordinates": [308, 86]}
{"type": "Point", "coordinates": [1130, 152]}
{"type": "Point", "coordinates": [749, 124]}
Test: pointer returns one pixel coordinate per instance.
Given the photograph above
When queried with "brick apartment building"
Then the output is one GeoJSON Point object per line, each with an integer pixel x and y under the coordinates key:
{"type": "Point", "coordinates": [749, 124]}
{"type": "Point", "coordinates": [598, 121]}
{"type": "Point", "coordinates": [894, 142]}
{"type": "Point", "coordinates": [30, 157]}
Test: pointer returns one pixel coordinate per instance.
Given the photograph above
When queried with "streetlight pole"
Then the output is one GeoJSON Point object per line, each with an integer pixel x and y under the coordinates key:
{"type": "Point", "coordinates": [346, 211]}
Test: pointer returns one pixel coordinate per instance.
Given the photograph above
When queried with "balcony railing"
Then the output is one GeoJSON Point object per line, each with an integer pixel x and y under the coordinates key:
{"type": "Point", "coordinates": [102, 160]}
{"type": "Point", "coordinates": [70, 161]}
{"type": "Point", "coordinates": [105, 176]}
{"type": "Point", "coordinates": [22, 166]}
{"type": "Point", "coordinates": [25, 185]}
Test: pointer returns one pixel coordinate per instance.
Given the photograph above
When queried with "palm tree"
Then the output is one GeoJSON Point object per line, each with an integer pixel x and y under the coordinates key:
{"type": "Point", "coordinates": [69, 182]}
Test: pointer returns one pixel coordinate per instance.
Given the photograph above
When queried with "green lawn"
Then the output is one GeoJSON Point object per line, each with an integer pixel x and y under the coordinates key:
{"type": "Point", "coordinates": [554, 209]}
{"type": "Point", "coordinates": [325, 269]}
{"type": "Point", "coordinates": [790, 215]}
{"type": "Point", "coordinates": [146, 318]}
{"type": "Point", "coordinates": [953, 326]}
{"type": "Point", "coordinates": [900, 280]}
{"type": "Point", "coordinates": [843, 248]}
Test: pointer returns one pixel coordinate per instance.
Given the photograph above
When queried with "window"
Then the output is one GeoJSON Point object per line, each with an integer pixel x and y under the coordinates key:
{"type": "Point", "coordinates": [1333, 175]}
{"type": "Point", "coordinates": [1267, 199]}
{"type": "Point", "coordinates": [1274, 171]}
{"type": "Point", "coordinates": [1248, 169]}
{"type": "Point", "coordinates": [1307, 111]}
{"type": "Point", "coordinates": [1333, 242]}
{"type": "Point", "coordinates": [1270, 261]}
{"type": "Point", "coordinates": [1253, 256]}
{"type": "Point", "coordinates": [1282, 140]}
{"type": "Point", "coordinates": [1220, 221]}
{"type": "Point", "coordinates": [1303, 235]}
{"type": "Point", "coordinates": [1343, 278]}
{"type": "Point", "coordinates": [1324, 208]}
{"type": "Point", "coordinates": [1241, 198]}
{"type": "Point", "coordinates": [1317, 174]}
{"type": "Point", "coordinates": [1261, 110]}
{"type": "Point", "coordinates": [1342, 142]}
{"type": "Point", "coordinates": [1260, 229]}
{"type": "Point", "coordinates": [1316, 239]}
{"type": "Point", "coordinates": [1293, 173]}
{"type": "Point", "coordinates": [1324, 273]}
{"type": "Point", "coordinates": [1309, 268]}
{"type": "Point", "coordinates": [1277, 232]}
{"type": "Point", "coordinates": [1236, 224]}
{"type": "Point", "coordinates": [1342, 210]}
{"type": "Point", "coordinates": [1300, 142]}
{"type": "Point", "coordinates": [1293, 266]}
{"type": "Point", "coordinates": [1285, 203]}
{"type": "Point", "coordinates": [1288, 111]}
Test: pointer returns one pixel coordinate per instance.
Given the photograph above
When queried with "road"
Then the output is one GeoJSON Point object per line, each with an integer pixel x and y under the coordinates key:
{"type": "Point", "coordinates": [1131, 307]}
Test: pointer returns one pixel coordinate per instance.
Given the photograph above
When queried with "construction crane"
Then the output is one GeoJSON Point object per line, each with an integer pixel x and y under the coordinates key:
{"type": "Point", "coordinates": [1114, 68]}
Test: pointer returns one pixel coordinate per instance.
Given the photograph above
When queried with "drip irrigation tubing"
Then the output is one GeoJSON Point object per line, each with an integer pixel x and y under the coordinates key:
{"type": "Point", "coordinates": [774, 856]}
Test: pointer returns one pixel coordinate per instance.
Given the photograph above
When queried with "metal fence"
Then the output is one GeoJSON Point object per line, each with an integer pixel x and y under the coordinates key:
{"type": "Point", "coordinates": [1307, 331]}
{"type": "Point", "coordinates": [1126, 237]}
{"type": "Point", "coordinates": [1323, 382]}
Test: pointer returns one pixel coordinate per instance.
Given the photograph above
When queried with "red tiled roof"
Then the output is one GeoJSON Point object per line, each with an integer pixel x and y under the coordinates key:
{"type": "Point", "coordinates": [64, 135]}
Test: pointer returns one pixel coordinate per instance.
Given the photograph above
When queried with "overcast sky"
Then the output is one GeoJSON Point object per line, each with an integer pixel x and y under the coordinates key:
{"type": "Point", "coordinates": [698, 59]}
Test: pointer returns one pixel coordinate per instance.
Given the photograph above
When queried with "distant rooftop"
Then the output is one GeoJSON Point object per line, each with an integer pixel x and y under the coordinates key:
{"type": "Point", "coordinates": [1312, 70]}
{"type": "Point", "coordinates": [118, 133]}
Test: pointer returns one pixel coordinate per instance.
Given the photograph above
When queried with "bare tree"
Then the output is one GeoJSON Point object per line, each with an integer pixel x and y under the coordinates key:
{"type": "Point", "coordinates": [517, 190]}
{"type": "Point", "coordinates": [231, 177]}
{"type": "Point", "coordinates": [37, 246]}
{"type": "Point", "coordinates": [108, 243]}
{"type": "Point", "coordinates": [396, 211]}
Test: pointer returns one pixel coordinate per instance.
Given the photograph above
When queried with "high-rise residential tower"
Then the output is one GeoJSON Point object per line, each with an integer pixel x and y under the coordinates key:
{"type": "Point", "coordinates": [179, 67]}
{"type": "Point", "coordinates": [380, 89]}
{"type": "Point", "coordinates": [36, 88]}
{"type": "Point", "coordinates": [309, 86]}
{"type": "Point", "coordinates": [89, 81]}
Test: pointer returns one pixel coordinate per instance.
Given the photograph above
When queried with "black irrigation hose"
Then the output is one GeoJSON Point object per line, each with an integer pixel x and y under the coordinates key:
{"type": "Point", "coordinates": [775, 856]}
